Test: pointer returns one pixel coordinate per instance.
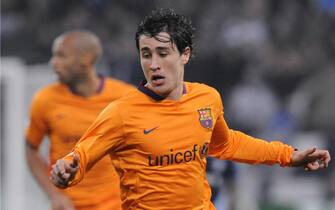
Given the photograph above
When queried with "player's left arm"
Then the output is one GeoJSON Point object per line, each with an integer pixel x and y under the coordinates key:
{"type": "Point", "coordinates": [234, 145]}
{"type": "Point", "coordinates": [237, 146]}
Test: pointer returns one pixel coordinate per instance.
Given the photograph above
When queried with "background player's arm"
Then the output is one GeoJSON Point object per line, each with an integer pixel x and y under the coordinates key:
{"type": "Point", "coordinates": [39, 170]}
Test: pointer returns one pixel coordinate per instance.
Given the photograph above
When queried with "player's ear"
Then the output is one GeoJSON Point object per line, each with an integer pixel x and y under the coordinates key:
{"type": "Point", "coordinates": [186, 55]}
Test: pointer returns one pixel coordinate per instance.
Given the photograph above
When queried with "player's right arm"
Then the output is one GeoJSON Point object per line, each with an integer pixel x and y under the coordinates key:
{"type": "Point", "coordinates": [104, 136]}
{"type": "Point", "coordinates": [36, 164]}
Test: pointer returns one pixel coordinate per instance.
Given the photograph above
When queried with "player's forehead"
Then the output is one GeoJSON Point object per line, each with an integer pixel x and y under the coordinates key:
{"type": "Point", "coordinates": [63, 43]}
{"type": "Point", "coordinates": [161, 40]}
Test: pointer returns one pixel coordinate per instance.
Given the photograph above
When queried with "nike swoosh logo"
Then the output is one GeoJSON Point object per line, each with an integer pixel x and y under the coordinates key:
{"type": "Point", "coordinates": [145, 131]}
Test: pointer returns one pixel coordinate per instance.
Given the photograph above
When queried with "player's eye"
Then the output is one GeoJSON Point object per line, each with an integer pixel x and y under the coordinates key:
{"type": "Point", "coordinates": [145, 55]}
{"type": "Point", "coordinates": [163, 54]}
{"type": "Point", "coordinates": [59, 54]}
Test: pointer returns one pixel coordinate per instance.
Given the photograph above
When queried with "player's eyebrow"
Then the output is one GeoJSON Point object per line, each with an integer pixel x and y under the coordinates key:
{"type": "Point", "coordinates": [162, 48]}
{"type": "Point", "coordinates": [145, 49]}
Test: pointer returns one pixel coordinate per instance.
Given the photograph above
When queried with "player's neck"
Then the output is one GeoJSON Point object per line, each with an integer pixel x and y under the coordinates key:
{"type": "Point", "coordinates": [176, 93]}
{"type": "Point", "coordinates": [88, 86]}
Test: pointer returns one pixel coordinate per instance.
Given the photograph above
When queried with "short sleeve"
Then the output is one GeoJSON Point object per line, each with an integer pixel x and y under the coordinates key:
{"type": "Point", "coordinates": [37, 126]}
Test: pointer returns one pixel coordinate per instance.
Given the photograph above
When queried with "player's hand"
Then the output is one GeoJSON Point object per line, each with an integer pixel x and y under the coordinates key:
{"type": "Point", "coordinates": [311, 159]}
{"type": "Point", "coordinates": [64, 171]}
{"type": "Point", "coordinates": [61, 202]}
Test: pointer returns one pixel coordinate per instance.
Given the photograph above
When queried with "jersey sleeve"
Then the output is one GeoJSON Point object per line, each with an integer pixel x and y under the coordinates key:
{"type": "Point", "coordinates": [104, 136]}
{"type": "Point", "coordinates": [37, 126]}
{"type": "Point", "coordinates": [234, 145]}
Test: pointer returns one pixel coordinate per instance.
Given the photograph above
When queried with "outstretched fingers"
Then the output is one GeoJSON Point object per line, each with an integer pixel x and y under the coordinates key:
{"type": "Point", "coordinates": [312, 166]}
{"type": "Point", "coordinates": [317, 159]}
{"type": "Point", "coordinates": [323, 157]}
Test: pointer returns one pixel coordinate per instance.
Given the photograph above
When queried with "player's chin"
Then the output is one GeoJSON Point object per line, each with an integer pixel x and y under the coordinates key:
{"type": "Point", "coordinates": [162, 90]}
{"type": "Point", "coordinates": [66, 82]}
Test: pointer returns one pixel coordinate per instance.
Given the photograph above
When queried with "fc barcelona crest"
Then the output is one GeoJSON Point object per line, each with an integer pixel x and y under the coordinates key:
{"type": "Point", "coordinates": [205, 117]}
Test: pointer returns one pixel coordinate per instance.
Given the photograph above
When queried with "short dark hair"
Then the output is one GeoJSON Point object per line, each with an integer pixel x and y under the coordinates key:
{"type": "Point", "coordinates": [177, 26]}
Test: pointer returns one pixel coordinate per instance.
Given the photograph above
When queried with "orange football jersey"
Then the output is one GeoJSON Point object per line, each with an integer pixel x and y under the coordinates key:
{"type": "Point", "coordinates": [159, 147]}
{"type": "Point", "coordinates": [64, 118]}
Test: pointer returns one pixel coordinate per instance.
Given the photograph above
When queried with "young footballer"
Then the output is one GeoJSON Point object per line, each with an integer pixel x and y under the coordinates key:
{"type": "Point", "coordinates": [159, 135]}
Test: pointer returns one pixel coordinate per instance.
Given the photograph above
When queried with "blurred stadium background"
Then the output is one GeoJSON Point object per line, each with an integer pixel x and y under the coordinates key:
{"type": "Point", "coordinates": [273, 62]}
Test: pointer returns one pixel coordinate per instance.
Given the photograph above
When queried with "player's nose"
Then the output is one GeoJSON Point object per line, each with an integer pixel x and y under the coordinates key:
{"type": "Point", "coordinates": [154, 65]}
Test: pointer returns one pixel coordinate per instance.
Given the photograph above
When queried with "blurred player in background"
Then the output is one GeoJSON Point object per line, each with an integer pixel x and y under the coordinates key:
{"type": "Point", "coordinates": [63, 111]}
{"type": "Point", "coordinates": [159, 135]}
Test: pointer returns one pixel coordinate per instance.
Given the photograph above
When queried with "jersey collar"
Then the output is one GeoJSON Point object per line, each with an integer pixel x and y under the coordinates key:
{"type": "Point", "coordinates": [101, 84]}
{"type": "Point", "coordinates": [151, 93]}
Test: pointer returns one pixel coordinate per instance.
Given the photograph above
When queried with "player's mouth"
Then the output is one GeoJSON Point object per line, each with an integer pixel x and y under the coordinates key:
{"type": "Point", "coordinates": [157, 80]}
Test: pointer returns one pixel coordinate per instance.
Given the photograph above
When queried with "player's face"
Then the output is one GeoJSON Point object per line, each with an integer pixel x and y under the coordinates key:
{"type": "Point", "coordinates": [65, 61]}
{"type": "Point", "coordinates": [162, 64]}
